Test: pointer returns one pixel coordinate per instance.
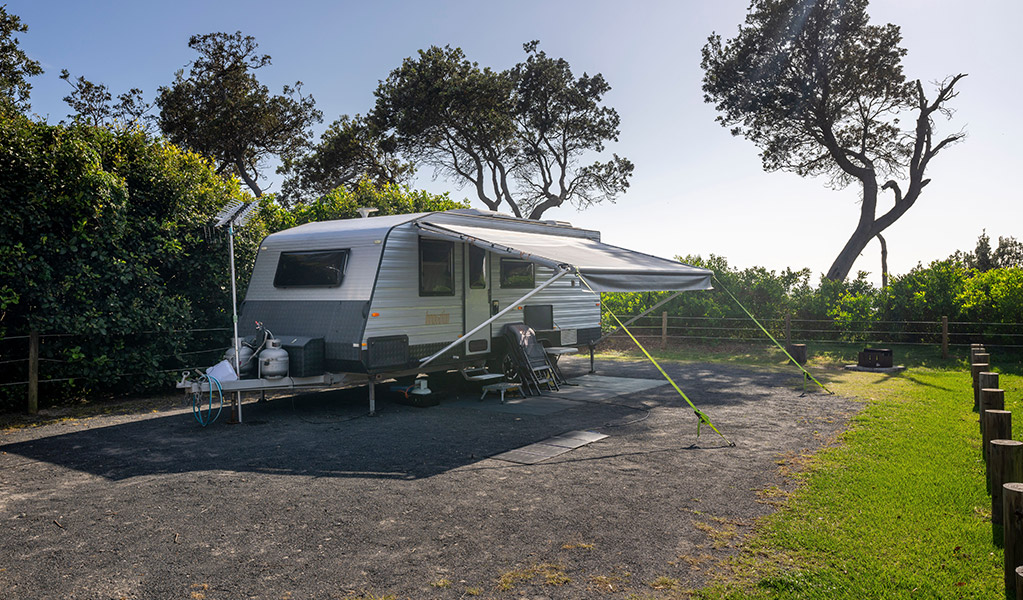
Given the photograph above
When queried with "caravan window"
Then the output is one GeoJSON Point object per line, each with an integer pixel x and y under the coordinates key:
{"type": "Point", "coordinates": [436, 268]}
{"type": "Point", "coordinates": [319, 268]}
{"type": "Point", "coordinates": [516, 273]}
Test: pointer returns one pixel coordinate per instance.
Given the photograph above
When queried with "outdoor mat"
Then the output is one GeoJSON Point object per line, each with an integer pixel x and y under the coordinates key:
{"type": "Point", "coordinates": [587, 388]}
{"type": "Point", "coordinates": [549, 448]}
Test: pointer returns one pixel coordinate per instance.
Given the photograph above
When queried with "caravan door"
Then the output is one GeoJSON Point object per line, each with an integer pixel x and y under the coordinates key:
{"type": "Point", "coordinates": [477, 298]}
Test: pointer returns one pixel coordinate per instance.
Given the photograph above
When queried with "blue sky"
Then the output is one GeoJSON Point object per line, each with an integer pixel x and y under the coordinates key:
{"type": "Point", "coordinates": [696, 189]}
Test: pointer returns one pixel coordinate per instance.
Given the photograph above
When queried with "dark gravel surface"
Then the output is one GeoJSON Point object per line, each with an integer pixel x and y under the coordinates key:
{"type": "Point", "coordinates": [308, 500]}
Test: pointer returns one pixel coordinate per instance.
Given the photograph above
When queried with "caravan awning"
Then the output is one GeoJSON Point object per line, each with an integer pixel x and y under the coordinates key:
{"type": "Point", "coordinates": [605, 267]}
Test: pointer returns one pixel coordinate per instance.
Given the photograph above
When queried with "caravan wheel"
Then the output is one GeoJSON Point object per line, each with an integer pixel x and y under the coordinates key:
{"type": "Point", "coordinates": [509, 368]}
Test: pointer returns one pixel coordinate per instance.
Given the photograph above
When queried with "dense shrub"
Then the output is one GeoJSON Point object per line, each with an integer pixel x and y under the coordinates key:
{"type": "Point", "coordinates": [103, 238]}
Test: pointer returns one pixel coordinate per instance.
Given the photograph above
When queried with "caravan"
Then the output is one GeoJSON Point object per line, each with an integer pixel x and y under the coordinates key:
{"type": "Point", "coordinates": [360, 300]}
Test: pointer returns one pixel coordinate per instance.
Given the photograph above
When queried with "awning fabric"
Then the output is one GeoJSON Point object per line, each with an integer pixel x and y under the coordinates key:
{"type": "Point", "coordinates": [605, 267]}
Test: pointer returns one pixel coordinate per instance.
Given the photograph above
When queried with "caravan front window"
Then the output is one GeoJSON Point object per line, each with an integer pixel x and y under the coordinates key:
{"type": "Point", "coordinates": [319, 268]}
{"type": "Point", "coordinates": [436, 268]}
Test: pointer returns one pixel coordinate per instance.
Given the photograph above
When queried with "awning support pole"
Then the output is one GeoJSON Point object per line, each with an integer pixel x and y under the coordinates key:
{"type": "Point", "coordinates": [562, 271]}
{"type": "Point", "coordinates": [637, 317]}
{"type": "Point", "coordinates": [372, 399]}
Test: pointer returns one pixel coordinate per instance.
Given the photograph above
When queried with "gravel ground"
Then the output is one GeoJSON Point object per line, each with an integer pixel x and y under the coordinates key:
{"type": "Point", "coordinates": [308, 499]}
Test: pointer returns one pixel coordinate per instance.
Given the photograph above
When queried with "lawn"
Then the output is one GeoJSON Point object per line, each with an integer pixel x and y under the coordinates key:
{"type": "Point", "coordinates": [897, 508]}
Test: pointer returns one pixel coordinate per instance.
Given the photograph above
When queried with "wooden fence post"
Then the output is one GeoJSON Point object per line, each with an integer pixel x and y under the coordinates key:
{"type": "Point", "coordinates": [975, 370]}
{"type": "Point", "coordinates": [1005, 465]}
{"type": "Point", "coordinates": [664, 330]}
{"type": "Point", "coordinates": [788, 328]}
{"type": "Point", "coordinates": [985, 380]}
{"type": "Point", "coordinates": [33, 372]}
{"type": "Point", "coordinates": [997, 426]}
{"type": "Point", "coordinates": [944, 337]}
{"type": "Point", "coordinates": [1012, 522]}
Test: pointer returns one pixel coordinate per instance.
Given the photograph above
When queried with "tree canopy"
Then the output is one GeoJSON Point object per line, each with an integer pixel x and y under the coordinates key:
{"type": "Point", "coordinates": [349, 151]}
{"type": "Point", "coordinates": [92, 104]}
{"type": "Point", "coordinates": [518, 137]}
{"type": "Point", "coordinates": [15, 66]}
{"type": "Point", "coordinates": [821, 91]}
{"type": "Point", "coordinates": [222, 111]}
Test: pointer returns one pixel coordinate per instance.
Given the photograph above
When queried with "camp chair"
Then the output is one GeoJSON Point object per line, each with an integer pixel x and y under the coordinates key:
{"type": "Point", "coordinates": [529, 358]}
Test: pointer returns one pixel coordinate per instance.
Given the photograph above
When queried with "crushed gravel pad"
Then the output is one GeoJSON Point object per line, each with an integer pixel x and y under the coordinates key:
{"type": "Point", "coordinates": [308, 499]}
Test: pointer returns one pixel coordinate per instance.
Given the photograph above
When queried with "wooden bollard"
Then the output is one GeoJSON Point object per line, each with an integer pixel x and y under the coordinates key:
{"type": "Point", "coordinates": [975, 370]}
{"type": "Point", "coordinates": [1005, 465]}
{"type": "Point", "coordinates": [991, 399]}
{"type": "Point", "coordinates": [997, 426]}
{"type": "Point", "coordinates": [1012, 527]}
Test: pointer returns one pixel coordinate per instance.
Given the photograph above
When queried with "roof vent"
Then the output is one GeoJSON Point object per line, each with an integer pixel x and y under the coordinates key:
{"type": "Point", "coordinates": [365, 211]}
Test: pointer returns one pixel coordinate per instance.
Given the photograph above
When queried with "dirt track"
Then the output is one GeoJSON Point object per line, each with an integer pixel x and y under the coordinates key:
{"type": "Point", "coordinates": [307, 500]}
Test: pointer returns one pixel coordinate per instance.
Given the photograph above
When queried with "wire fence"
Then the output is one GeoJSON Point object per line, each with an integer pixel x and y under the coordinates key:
{"type": "Point", "coordinates": [66, 364]}
{"type": "Point", "coordinates": [54, 359]}
{"type": "Point", "coordinates": [942, 334]}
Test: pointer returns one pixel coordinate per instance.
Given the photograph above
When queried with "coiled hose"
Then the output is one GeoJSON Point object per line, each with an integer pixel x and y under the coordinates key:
{"type": "Point", "coordinates": [207, 417]}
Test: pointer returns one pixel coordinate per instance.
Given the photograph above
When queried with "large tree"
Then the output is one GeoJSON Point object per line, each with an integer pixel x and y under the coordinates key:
{"type": "Point", "coordinates": [349, 151]}
{"type": "Point", "coordinates": [92, 104]}
{"type": "Point", "coordinates": [821, 91]}
{"type": "Point", "coordinates": [519, 137]}
{"type": "Point", "coordinates": [15, 66]}
{"type": "Point", "coordinates": [222, 111]}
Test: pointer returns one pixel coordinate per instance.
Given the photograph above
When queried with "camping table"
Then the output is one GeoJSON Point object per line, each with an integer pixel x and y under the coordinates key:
{"type": "Point", "coordinates": [556, 352]}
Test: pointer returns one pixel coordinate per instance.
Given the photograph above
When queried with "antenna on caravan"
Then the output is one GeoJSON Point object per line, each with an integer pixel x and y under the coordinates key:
{"type": "Point", "coordinates": [235, 214]}
{"type": "Point", "coordinates": [365, 212]}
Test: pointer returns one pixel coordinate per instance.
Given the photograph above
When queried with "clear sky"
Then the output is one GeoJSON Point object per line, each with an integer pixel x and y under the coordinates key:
{"type": "Point", "coordinates": [696, 189]}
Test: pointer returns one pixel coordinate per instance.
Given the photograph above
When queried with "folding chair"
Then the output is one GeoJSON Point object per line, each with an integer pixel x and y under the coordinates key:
{"type": "Point", "coordinates": [530, 358]}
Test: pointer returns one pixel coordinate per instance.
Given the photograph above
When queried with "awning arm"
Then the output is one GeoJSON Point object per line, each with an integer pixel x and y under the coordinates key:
{"type": "Point", "coordinates": [639, 316]}
{"type": "Point", "coordinates": [558, 275]}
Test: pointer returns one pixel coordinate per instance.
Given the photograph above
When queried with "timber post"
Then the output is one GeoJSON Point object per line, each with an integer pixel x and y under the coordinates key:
{"type": "Point", "coordinates": [975, 370]}
{"type": "Point", "coordinates": [944, 337]}
{"type": "Point", "coordinates": [1012, 519]}
{"type": "Point", "coordinates": [986, 381]}
{"type": "Point", "coordinates": [997, 426]}
{"type": "Point", "coordinates": [33, 372]}
{"type": "Point", "coordinates": [664, 330]}
{"type": "Point", "coordinates": [788, 328]}
{"type": "Point", "coordinates": [1005, 465]}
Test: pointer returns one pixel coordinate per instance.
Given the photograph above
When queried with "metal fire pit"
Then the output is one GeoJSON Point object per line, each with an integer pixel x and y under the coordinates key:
{"type": "Point", "coordinates": [875, 358]}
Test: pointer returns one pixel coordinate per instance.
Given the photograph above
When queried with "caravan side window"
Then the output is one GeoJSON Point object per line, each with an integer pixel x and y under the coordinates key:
{"type": "Point", "coordinates": [436, 268]}
{"type": "Point", "coordinates": [318, 268]}
{"type": "Point", "coordinates": [516, 274]}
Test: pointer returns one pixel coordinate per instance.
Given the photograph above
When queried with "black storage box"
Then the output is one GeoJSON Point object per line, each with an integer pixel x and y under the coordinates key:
{"type": "Point", "coordinates": [305, 355]}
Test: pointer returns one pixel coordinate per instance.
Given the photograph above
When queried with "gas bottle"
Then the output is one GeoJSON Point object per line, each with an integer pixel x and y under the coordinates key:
{"type": "Point", "coordinates": [273, 360]}
{"type": "Point", "coordinates": [248, 366]}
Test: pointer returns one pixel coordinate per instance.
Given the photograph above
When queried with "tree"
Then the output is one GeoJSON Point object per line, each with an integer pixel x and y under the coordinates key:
{"type": "Point", "coordinates": [92, 105]}
{"type": "Point", "coordinates": [1007, 255]}
{"type": "Point", "coordinates": [15, 66]}
{"type": "Point", "coordinates": [222, 111]}
{"type": "Point", "coordinates": [349, 150]}
{"type": "Point", "coordinates": [517, 137]}
{"type": "Point", "coordinates": [821, 91]}
{"type": "Point", "coordinates": [343, 202]}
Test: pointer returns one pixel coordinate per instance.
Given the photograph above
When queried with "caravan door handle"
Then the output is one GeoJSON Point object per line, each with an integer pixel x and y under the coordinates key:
{"type": "Point", "coordinates": [495, 307]}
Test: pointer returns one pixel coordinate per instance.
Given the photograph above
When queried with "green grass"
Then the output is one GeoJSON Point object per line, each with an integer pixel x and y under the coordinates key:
{"type": "Point", "coordinates": [897, 508]}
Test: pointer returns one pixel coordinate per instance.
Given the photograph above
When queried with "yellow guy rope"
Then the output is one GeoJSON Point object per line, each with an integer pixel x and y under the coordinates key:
{"type": "Point", "coordinates": [703, 418]}
{"type": "Point", "coordinates": [776, 343]}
